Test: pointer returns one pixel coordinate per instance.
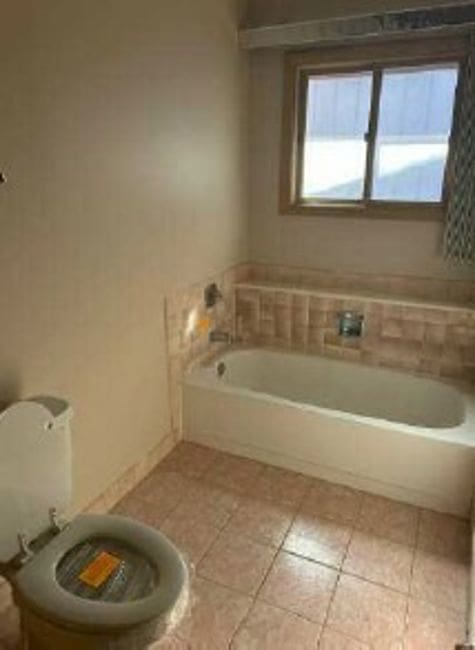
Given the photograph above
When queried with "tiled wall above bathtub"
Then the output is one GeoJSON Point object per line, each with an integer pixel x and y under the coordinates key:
{"type": "Point", "coordinates": [187, 340]}
{"type": "Point", "coordinates": [430, 289]}
{"type": "Point", "coordinates": [433, 339]}
{"type": "Point", "coordinates": [423, 325]}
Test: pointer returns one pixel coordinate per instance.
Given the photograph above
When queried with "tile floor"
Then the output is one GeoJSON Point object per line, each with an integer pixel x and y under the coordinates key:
{"type": "Point", "coordinates": [280, 561]}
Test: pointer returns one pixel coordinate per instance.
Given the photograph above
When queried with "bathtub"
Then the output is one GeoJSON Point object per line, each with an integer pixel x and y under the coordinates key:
{"type": "Point", "coordinates": [375, 429]}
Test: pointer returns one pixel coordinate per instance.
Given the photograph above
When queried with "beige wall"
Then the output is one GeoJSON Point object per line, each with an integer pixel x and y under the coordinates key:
{"type": "Point", "coordinates": [121, 129]}
{"type": "Point", "coordinates": [266, 12]}
{"type": "Point", "coordinates": [334, 243]}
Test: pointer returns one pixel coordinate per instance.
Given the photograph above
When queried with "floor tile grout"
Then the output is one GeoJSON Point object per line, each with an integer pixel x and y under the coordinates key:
{"type": "Point", "coordinates": [340, 570]}
{"type": "Point", "coordinates": [256, 595]}
{"type": "Point", "coordinates": [246, 493]}
{"type": "Point", "coordinates": [204, 477]}
{"type": "Point", "coordinates": [296, 511]}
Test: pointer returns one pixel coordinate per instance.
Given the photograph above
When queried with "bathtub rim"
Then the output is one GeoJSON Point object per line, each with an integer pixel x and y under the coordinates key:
{"type": "Point", "coordinates": [202, 374]}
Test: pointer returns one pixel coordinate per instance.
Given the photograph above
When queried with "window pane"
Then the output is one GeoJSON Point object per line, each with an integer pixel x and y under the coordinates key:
{"type": "Point", "coordinates": [335, 148]}
{"type": "Point", "coordinates": [414, 126]}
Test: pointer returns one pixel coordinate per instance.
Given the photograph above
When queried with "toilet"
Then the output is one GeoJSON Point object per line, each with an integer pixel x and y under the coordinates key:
{"type": "Point", "coordinates": [97, 582]}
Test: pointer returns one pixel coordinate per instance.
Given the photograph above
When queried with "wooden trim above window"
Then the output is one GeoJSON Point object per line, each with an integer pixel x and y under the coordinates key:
{"type": "Point", "coordinates": [298, 66]}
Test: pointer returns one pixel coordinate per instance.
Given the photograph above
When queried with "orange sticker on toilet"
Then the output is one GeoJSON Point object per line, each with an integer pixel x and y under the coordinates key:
{"type": "Point", "coordinates": [97, 572]}
{"type": "Point", "coordinates": [203, 325]}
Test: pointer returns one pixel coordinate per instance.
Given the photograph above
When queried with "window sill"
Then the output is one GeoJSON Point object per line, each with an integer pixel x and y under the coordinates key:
{"type": "Point", "coordinates": [398, 211]}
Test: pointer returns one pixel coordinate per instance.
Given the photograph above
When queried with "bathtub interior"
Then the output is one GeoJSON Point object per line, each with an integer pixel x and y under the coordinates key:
{"type": "Point", "coordinates": [344, 386]}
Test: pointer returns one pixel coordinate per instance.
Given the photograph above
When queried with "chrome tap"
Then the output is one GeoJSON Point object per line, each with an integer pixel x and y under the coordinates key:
{"type": "Point", "coordinates": [218, 336]}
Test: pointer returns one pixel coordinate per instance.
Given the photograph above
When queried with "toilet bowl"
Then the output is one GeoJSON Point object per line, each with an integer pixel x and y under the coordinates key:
{"type": "Point", "coordinates": [97, 582]}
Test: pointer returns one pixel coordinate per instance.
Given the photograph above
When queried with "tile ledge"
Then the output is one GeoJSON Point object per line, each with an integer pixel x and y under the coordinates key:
{"type": "Point", "coordinates": [356, 295]}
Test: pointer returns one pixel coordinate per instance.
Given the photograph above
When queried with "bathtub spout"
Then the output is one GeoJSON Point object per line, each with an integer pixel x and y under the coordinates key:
{"type": "Point", "coordinates": [218, 336]}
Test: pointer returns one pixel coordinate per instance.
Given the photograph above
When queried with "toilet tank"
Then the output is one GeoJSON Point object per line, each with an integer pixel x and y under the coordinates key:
{"type": "Point", "coordinates": [35, 468]}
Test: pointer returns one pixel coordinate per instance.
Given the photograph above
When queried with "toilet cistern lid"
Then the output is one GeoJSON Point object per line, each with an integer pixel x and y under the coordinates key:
{"type": "Point", "coordinates": [35, 469]}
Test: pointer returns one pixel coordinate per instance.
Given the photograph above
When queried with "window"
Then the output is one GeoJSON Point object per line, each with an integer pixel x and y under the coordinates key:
{"type": "Point", "coordinates": [368, 135]}
{"type": "Point", "coordinates": [412, 137]}
{"type": "Point", "coordinates": [336, 144]}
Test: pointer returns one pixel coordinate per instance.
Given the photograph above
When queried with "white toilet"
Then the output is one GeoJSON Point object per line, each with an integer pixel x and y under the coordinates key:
{"type": "Point", "coordinates": [98, 582]}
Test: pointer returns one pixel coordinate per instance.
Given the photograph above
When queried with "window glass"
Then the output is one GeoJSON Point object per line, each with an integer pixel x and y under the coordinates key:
{"type": "Point", "coordinates": [412, 142]}
{"type": "Point", "coordinates": [335, 147]}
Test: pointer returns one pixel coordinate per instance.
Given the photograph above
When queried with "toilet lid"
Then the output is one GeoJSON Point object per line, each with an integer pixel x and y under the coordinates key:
{"type": "Point", "coordinates": [35, 469]}
{"type": "Point", "coordinates": [38, 583]}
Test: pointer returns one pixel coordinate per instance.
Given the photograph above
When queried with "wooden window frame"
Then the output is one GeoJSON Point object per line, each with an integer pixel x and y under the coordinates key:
{"type": "Point", "coordinates": [375, 58]}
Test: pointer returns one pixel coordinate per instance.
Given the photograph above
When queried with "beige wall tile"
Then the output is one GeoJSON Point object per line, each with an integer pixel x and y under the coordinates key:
{"type": "Point", "coordinates": [435, 333]}
{"type": "Point", "coordinates": [427, 340]}
{"type": "Point", "coordinates": [392, 328]}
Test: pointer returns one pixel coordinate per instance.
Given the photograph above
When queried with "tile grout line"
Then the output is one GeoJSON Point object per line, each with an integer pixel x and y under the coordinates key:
{"type": "Point", "coordinates": [197, 477]}
{"type": "Point", "coordinates": [354, 530]}
{"type": "Point", "coordinates": [222, 529]}
{"type": "Point", "coordinates": [194, 567]}
{"type": "Point", "coordinates": [279, 549]}
{"type": "Point", "coordinates": [340, 570]}
{"type": "Point", "coordinates": [413, 563]}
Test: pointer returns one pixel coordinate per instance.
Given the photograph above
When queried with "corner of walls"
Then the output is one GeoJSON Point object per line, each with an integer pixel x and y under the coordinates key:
{"type": "Point", "coordinates": [339, 244]}
{"type": "Point", "coordinates": [188, 323]}
{"type": "Point", "coordinates": [127, 480]}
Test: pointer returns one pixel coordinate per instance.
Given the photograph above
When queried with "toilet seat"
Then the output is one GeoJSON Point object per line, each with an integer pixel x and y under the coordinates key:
{"type": "Point", "coordinates": [38, 588]}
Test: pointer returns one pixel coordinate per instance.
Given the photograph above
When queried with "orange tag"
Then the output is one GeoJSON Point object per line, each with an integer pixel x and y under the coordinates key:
{"type": "Point", "coordinates": [96, 573]}
{"type": "Point", "coordinates": [203, 325]}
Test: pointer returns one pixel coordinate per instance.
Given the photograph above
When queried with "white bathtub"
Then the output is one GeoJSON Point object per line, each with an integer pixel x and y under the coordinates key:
{"type": "Point", "coordinates": [375, 429]}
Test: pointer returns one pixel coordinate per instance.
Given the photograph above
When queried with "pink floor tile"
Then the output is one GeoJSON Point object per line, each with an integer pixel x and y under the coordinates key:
{"type": "Point", "coordinates": [278, 556]}
{"type": "Point", "coordinates": [234, 472]}
{"type": "Point", "coordinates": [368, 613]}
{"type": "Point", "coordinates": [163, 490]}
{"type": "Point", "coordinates": [189, 459]}
{"type": "Point", "coordinates": [269, 628]}
{"type": "Point", "coordinates": [380, 560]}
{"type": "Point", "coordinates": [331, 501]}
{"type": "Point", "coordinates": [445, 535]}
{"type": "Point", "coordinates": [319, 539]}
{"type": "Point", "coordinates": [193, 538]}
{"type": "Point", "coordinates": [280, 486]}
{"type": "Point", "coordinates": [237, 562]}
{"type": "Point", "coordinates": [391, 519]}
{"type": "Point", "coordinates": [332, 640]}
{"type": "Point", "coordinates": [440, 580]}
{"type": "Point", "coordinates": [299, 586]}
{"type": "Point", "coordinates": [208, 504]}
{"type": "Point", "coordinates": [148, 513]}
{"type": "Point", "coordinates": [214, 616]}
{"type": "Point", "coordinates": [433, 628]}
{"type": "Point", "coordinates": [262, 521]}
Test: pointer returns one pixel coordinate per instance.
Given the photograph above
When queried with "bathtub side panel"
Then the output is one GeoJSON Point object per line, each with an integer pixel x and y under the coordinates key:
{"type": "Point", "coordinates": [426, 472]}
